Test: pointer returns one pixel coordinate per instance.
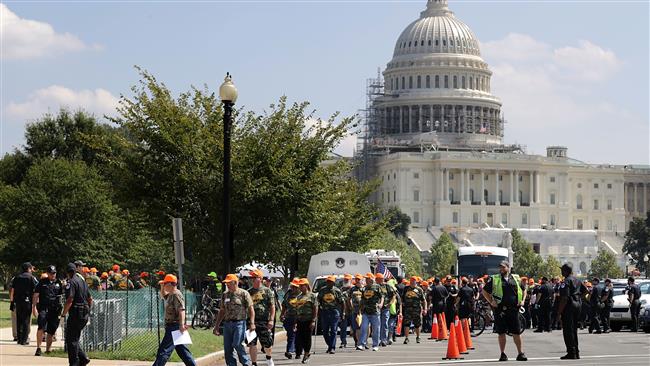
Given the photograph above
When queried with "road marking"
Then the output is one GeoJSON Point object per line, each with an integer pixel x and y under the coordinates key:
{"type": "Point", "coordinates": [494, 360]}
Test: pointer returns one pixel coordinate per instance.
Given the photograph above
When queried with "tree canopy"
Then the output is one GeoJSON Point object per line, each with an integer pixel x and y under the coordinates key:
{"type": "Point", "coordinates": [637, 243]}
{"type": "Point", "coordinates": [443, 256]}
{"type": "Point", "coordinates": [605, 266]}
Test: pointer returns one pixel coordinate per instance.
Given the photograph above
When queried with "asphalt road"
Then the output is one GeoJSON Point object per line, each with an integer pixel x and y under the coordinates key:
{"type": "Point", "coordinates": [622, 348]}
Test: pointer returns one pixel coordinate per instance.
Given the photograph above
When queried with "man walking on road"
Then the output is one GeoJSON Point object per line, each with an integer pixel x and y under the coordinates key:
{"type": "Point", "coordinates": [371, 303]}
{"type": "Point", "coordinates": [23, 288]}
{"type": "Point", "coordinates": [47, 308]}
{"type": "Point", "coordinates": [389, 292]}
{"type": "Point", "coordinates": [504, 293]}
{"type": "Point", "coordinates": [77, 304]}
{"type": "Point", "coordinates": [264, 307]}
{"type": "Point", "coordinates": [236, 303]}
{"type": "Point", "coordinates": [330, 301]}
{"type": "Point", "coordinates": [570, 302]}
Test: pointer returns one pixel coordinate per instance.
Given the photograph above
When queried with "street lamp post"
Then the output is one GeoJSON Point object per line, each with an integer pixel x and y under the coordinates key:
{"type": "Point", "coordinates": [228, 95]}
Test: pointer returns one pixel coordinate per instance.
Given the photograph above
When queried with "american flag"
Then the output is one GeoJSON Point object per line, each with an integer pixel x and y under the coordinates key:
{"type": "Point", "coordinates": [381, 268]}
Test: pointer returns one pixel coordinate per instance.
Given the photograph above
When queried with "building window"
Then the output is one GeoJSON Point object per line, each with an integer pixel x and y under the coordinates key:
{"type": "Point", "coordinates": [475, 218]}
{"type": "Point", "coordinates": [536, 248]}
{"type": "Point", "coordinates": [524, 219]}
{"type": "Point", "coordinates": [444, 42]}
{"type": "Point", "coordinates": [609, 205]}
{"type": "Point", "coordinates": [579, 202]}
{"type": "Point", "coordinates": [552, 198]}
{"type": "Point", "coordinates": [579, 185]}
{"type": "Point", "coordinates": [429, 42]}
{"type": "Point", "coordinates": [447, 81]}
{"type": "Point", "coordinates": [451, 194]}
{"type": "Point", "coordinates": [451, 176]}
{"type": "Point", "coordinates": [437, 81]}
{"type": "Point", "coordinates": [416, 175]}
{"type": "Point", "coordinates": [403, 83]}
{"type": "Point", "coordinates": [609, 186]}
{"type": "Point", "coordinates": [428, 79]}
{"type": "Point", "coordinates": [419, 82]}
{"type": "Point", "coordinates": [454, 217]}
{"type": "Point", "coordinates": [455, 82]}
{"type": "Point", "coordinates": [579, 224]}
{"type": "Point", "coordinates": [504, 219]}
{"type": "Point", "coordinates": [595, 204]}
{"type": "Point", "coordinates": [416, 196]}
{"type": "Point", "coordinates": [437, 42]}
{"type": "Point", "coordinates": [609, 225]}
{"type": "Point", "coordinates": [410, 82]}
{"type": "Point", "coordinates": [500, 177]}
{"type": "Point", "coordinates": [486, 177]}
{"type": "Point", "coordinates": [394, 196]}
{"type": "Point", "coordinates": [552, 179]}
{"type": "Point", "coordinates": [552, 221]}
{"type": "Point", "coordinates": [471, 177]}
{"type": "Point", "coordinates": [416, 217]}
{"type": "Point", "coordinates": [500, 196]}
{"type": "Point", "coordinates": [394, 175]}
{"type": "Point", "coordinates": [595, 185]}
{"type": "Point", "coordinates": [485, 195]}
{"type": "Point", "coordinates": [521, 178]}
{"type": "Point", "coordinates": [595, 224]}
{"type": "Point", "coordinates": [471, 195]}
{"type": "Point", "coordinates": [388, 176]}
{"type": "Point", "coordinates": [388, 196]}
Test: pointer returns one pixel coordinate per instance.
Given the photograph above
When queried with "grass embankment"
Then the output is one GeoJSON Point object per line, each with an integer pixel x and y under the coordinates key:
{"type": "Point", "coordinates": [143, 347]}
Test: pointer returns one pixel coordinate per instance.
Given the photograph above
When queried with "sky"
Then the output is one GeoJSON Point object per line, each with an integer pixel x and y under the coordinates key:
{"type": "Point", "coordinates": [571, 73]}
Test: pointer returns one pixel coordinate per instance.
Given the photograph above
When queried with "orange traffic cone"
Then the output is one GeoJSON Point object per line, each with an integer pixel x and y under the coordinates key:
{"type": "Point", "coordinates": [442, 335]}
{"type": "Point", "coordinates": [462, 348]}
{"type": "Point", "coordinates": [452, 347]}
{"type": "Point", "coordinates": [434, 328]}
{"type": "Point", "coordinates": [398, 330]}
{"type": "Point", "coordinates": [468, 336]}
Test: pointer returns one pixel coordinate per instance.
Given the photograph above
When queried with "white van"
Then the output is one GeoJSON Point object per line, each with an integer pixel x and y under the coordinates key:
{"type": "Point", "coordinates": [336, 263]}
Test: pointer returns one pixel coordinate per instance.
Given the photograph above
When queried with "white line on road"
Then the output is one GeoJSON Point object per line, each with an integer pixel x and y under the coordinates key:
{"type": "Point", "coordinates": [494, 360]}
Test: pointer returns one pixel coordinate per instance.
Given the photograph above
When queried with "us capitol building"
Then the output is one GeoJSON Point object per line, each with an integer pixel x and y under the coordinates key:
{"type": "Point", "coordinates": [434, 139]}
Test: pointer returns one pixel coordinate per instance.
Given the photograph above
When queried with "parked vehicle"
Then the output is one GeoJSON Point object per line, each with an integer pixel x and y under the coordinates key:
{"type": "Point", "coordinates": [620, 315]}
{"type": "Point", "coordinates": [336, 263]}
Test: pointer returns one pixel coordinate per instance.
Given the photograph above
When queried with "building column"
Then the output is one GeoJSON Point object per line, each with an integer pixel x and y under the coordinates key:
{"type": "Point", "coordinates": [401, 118]}
{"type": "Point", "coordinates": [536, 187]}
{"type": "Point", "coordinates": [636, 199]}
{"type": "Point", "coordinates": [530, 191]}
{"type": "Point", "coordinates": [441, 192]}
{"type": "Point", "coordinates": [512, 186]}
{"type": "Point", "coordinates": [482, 200]}
{"type": "Point", "coordinates": [420, 119]}
{"type": "Point", "coordinates": [462, 185]}
{"type": "Point", "coordinates": [468, 186]}
{"type": "Point", "coordinates": [516, 186]}
{"type": "Point", "coordinates": [446, 185]}
{"type": "Point", "coordinates": [645, 199]}
{"type": "Point", "coordinates": [497, 202]}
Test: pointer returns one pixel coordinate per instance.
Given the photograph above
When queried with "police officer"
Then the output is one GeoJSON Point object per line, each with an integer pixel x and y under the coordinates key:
{"type": "Point", "coordinates": [77, 304]}
{"type": "Point", "coordinates": [450, 302]}
{"type": "Point", "coordinates": [608, 301]}
{"type": "Point", "coordinates": [47, 308]}
{"type": "Point", "coordinates": [544, 305]}
{"type": "Point", "coordinates": [570, 296]}
{"type": "Point", "coordinates": [413, 305]}
{"type": "Point", "coordinates": [437, 297]}
{"type": "Point", "coordinates": [264, 307]}
{"type": "Point", "coordinates": [330, 301]}
{"type": "Point", "coordinates": [465, 300]}
{"type": "Point", "coordinates": [23, 291]}
{"type": "Point", "coordinates": [595, 305]}
{"type": "Point", "coordinates": [633, 297]}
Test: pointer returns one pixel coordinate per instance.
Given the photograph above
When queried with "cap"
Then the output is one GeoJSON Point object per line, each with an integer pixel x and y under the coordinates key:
{"type": "Point", "coordinates": [51, 269]}
{"type": "Point", "coordinates": [256, 273]}
{"type": "Point", "coordinates": [71, 267]}
{"type": "Point", "coordinates": [414, 278]}
{"type": "Point", "coordinates": [85, 270]}
{"type": "Point", "coordinates": [104, 275]}
{"type": "Point", "coordinates": [348, 276]}
{"type": "Point", "coordinates": [144, 274]}
{"type": "Point", "coordinates": [212, 274]}
{"type": "Point", "coordinates": [230, 278]}
{"type": "Point", "coordinates": [424, 284]}
{"type": "Point", "coordinates": [295, 282]}
{"type": "Point", "coordinates": [170, 278]}
{"type": "Point", "coordinates": [405, 281]}
{"type": "Point", "coordinates": [369, 275]}
{"type": "Point", "coordinates": [358, 276]}
{"type": "Point", "coordinates": [504, 264]}
{"type": "Point", "coordinates": [117, 268]}
{"type": "Point", "coordinates": [26, 266]}
{"type": "Point", "coordinates": [93, 270]}
{"type": "Point", "coordinates": [159, 273]}
{"type": "Point", "coordinates": [125, 272]}
{"type": "Point", "coordinates": [331, 278]}
{"type": "Point", "coordinates": [379, 275]}
{"type": "Point", "coordinates": [79, 263]}
{"type": "Point", "coordinates": [303, 281]}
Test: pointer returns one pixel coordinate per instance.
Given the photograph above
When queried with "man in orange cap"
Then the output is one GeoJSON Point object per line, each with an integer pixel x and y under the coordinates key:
{"type": "Point", "coordinates": [92, 280]}
{"type": "Point", "coordinates": [389, 294]}
{"type": "Point", "coordinates": [371, 303]}
{"type": "Point", "coordinates": [174, 321]}
{"type": "Point", "coordinates": [354, 305]}
{"type": "Point", "coordinates": [346, 320]}
{"type": "Point", "coordinates": [414, 305]}
{"type": "Point", "coordinates": [330, 301]}
{"type": "Point", "coordinates": [288, 316]}
{"type": "Point", "coordinates": [236, 303]}
{"type": "Point", "coordinates": [264, 306]}
{"type": "Point", "coordinates": [105, 283]}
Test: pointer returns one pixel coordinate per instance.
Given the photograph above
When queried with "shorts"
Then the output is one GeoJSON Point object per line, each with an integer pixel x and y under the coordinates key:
{"type": "Point", "coordinates": [413, 317]}
{"type": "Point", "coordinates": [507, 321]}
{"type": "Point", "coordinates": [264, 335]}
{"type": "Point", "coordinates": [464, 312]}
{"type": "Point", "coordinates": [48, 320]}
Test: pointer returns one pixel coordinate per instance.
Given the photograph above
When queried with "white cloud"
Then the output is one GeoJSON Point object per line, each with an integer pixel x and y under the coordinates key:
{"type": "Point", "coordinates": [347, 146]}
{"type": "Point", "coordinates": [54, 97]}
{"type": "Point", "coordinates": [560, 96]}
{"type": "Point", "coordinates": [24, 39]}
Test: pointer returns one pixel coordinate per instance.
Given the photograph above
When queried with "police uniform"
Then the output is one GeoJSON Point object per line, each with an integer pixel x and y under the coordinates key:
{"type": "Point", "coordinates": [465, 302]}
{"type": "Point", "coordinates": [438, 296]}
{"type": "Point", "coordinates": [330, 300]}
{"type": "Point", "coordinates": [634, 292]}
{"type": "Point", "coordinates": [49, 307]}
{"type": "Point", "coordinates": [594, 309]}
{"type": "Point", "coordinates": [77, 291]}
{"type": "Point", "coordinates": [24, 285]}
{"type": "Point", "coordinates": [608, 296]}
{"type": "Point", "coordinates": [263, 298]}
{"type": "Point", "coordinates": [450, 303]}
{"type": "Point", "coordinates": [571, 291]}
{"type": "Point", "coordinates": [544, 307]}
{"type": "Point", "coordinates": [507, 293]}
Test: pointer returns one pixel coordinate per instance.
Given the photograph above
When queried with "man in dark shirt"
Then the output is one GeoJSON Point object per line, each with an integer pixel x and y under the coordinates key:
{"type": "Point", "coordinates": [543, 303]}
{"type": "Point", "coordinates": [504, 293]}
{"type": "Point", "coordinates": [608, 301]}
{"type": "Point", "coordinates": [47, 307]}
{"type": "Point", "coordinates": [633, 297]}
{"type": "Point", "coordinates": [595, 305]}
{"type": "Point", "coordinates": [77, 304]}
{"type": "Point", "coordinates": [23, 290]}
{"type": "Point", "coordinates": [569, 304]}
{"type": "Point", "coordinates": [437, 297]}
{"type": "Point", "coordinates": [465, 300]}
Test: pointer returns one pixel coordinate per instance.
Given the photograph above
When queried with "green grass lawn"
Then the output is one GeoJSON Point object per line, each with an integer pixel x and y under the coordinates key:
{"type": "Point", "coordinates": [5, 314]}
{"type": "Point", "coordinates": [144, 347]}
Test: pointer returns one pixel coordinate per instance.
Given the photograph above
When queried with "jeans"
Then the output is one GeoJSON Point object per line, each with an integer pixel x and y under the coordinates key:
{"type": "Point", "coordinates": [392, 324]}
{"type": "Point", "coordinates": [343, 329]}
{"type": "Point", "coordinates": [289, 324]}
{"type": "Point", "coordinates": [330, 322]}
{"type": "Point", "coordinates": [233, 337]}
{"type": "Point", "coordinates": [373, 321]}
{"type": "Point", "coordinates": [384, 315]}
{"type": "Point", "coordinates": [167, 346]}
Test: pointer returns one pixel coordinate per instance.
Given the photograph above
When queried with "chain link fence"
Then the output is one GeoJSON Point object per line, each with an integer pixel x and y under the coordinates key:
{"type": "Point", "coordinates": [129, 325]}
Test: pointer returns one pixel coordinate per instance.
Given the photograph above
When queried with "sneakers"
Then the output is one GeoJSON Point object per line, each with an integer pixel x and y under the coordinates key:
{"type": "Point", "coordinates": [38, 352]}
{"type": "Point", "coordinates": [417, 339]}
{"type": "Point", "coordinates": [569, 357]}
{"type": "Point", "coordinates": [269, 362]}
{"type": "Point", "coordinates": [375, 349]}
{"type": "Point", "coordinates": [389, 342]}
{"type": "Point", "coordinates": [406, 341]}
{"type": "Point", "coordinates": [359, 348]}
{"type": "Point", "coordinates": [343, 345]}
{"type": "Point", "coordinates": [522, 357]}
{"type": "Point", "coordinates": [288, 355]}
{"type": "Point", "coordinates": [382, 344]}
{"type": "Point", "coordinates": [503, 357]}
{"type": "Point", "coordinates": [306, 358]}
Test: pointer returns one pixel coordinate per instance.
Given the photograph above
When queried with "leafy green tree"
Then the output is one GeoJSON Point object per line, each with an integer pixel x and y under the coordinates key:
{"type": "Point", "coordinates": [637, 243]}
{"type": "Point", "coordinates": [409, 255]}
{"type": "Point", "coordinates": [526, 261]}
{"type": "Point", "coordinates": [60, 212]}
{"type": "Point", "coordinates": [443, 256]}
{"type": "Point", "coordinates": [549, 268]}
{"type": "Point", "coordinates": [398, 221]}
{"type": "Point", "coordinates": [605, 266]}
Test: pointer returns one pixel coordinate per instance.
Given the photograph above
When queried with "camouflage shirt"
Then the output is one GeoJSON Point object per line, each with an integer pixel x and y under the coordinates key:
{"type": "Point", "coordinates": [413, 299]}
{"type": "Point", "coordinates": [305, 306]}
{"type": "Point", "coordinates": [388, 291]}
{"type": "Point", "coordinates": [263, 298]}
{"type": "Point", "coordinates": [93, 282]}
{"type": "Point", "coordinates": [235, 304]}
{"type": "Point", "coordinates": [355, 294]}
{"type": "Point", "coordinates": [330, 298]}
{"type": "Point", "coordinates": [372, 296]}
{"type": "Point", "coordinates": [290, 303]}
{"type": "Point", "coordinates": [345, 295]}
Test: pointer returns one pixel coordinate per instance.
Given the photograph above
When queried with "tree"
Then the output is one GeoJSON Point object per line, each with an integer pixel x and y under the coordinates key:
{"type": "Point", "coordinates": [443, 256]}
{"type": "Point", "coordinates": [605, 266]}
{"type": "Point", "coordinates": [526, 261]}
{"type": "Point", "coordinates": [60, 212]}
{"type": "Point", "coordinates": [637, 243]}
{"type": "Point", "coordinates": [398, 221]}
{"type": "Point", "coordinates": [409, 255]}
{"type": "Point", "coordinates": [550, 268]}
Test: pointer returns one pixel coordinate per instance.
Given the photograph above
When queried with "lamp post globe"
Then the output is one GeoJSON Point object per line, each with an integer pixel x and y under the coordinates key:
{"type": "Point", "coordinates": [228, 94]}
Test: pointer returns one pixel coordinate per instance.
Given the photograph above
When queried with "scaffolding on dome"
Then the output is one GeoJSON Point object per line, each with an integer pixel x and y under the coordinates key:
{"type": "Point", "coordinates": [364, 156]}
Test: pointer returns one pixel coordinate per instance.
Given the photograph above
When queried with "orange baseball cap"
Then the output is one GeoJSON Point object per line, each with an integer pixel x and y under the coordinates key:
{"type": "Point", "coordinates": [414, 278]}
{"type": "Point", "coordinates": [405, 281]}
{"type": "Point", "coordinates": [256, 273]}
{"type": "Point", "coordinates": [348, 276]}
{"type": "Point", "coordinates": [116, 267]}
{"type": "Point", "coordinates": [424, 284]}
{"type": "Point", "coordinates": [295, 282]}
{"type": "Point", "coordinates": [159, 273]}
{"type": "Point", "coordinates": [104, 275]}
{"type": "Point", "coordinates": [379, 275]}
{"type": "Point", "coordinates": [144, 274]}
{"type": "Point", "coordinates": [125, 272]}
{"type": "Point", "coordinates": [93, 270]}
{"type": "Point", "coordinates": [331, 278]}
{"type": "Point", "coordinates": [358, 276]}
{"type": "Point", "coordinates": [303, 281]}
{"type": "Point", "coordinates": [230, 278]}
{"type": "Point", "coordinates": [85, 270]}
{"type": "Point", "coordinates": [170, 278]}
{"type": "Point", "coordinates": [369, 275]}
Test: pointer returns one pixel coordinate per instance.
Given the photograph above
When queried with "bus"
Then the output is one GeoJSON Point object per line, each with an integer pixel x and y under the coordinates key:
{"type": "Point", "coordinates": [479, 261]}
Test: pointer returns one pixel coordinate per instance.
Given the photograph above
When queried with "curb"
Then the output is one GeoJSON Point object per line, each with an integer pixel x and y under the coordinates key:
{"type": "Point", "coordinates": [212, 358]}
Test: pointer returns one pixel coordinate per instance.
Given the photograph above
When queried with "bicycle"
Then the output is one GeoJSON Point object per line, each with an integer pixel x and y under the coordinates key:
{"type": "Point", "coordinates": [481, 318]}
{"type": "Point", "coordinates": [207, 316]}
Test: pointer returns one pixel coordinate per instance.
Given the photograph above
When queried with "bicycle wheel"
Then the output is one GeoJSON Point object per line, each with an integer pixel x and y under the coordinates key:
{"type": "Point", "coordinates": [522, 323]}
{"type": "Point", "coordinates": [477, 325]}
{"type": "Point", "coordinates": [202, 319]}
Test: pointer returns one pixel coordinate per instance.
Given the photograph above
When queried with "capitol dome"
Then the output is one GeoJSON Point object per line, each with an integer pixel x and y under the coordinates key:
{"type": "Point", "coordinates": [437, 31]}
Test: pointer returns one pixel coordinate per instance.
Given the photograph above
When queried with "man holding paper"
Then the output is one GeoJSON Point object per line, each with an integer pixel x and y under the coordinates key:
{"type": "Point", "coordinates": [236, 303]}
{"type": "Point", "coordinates": [175, 328]}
